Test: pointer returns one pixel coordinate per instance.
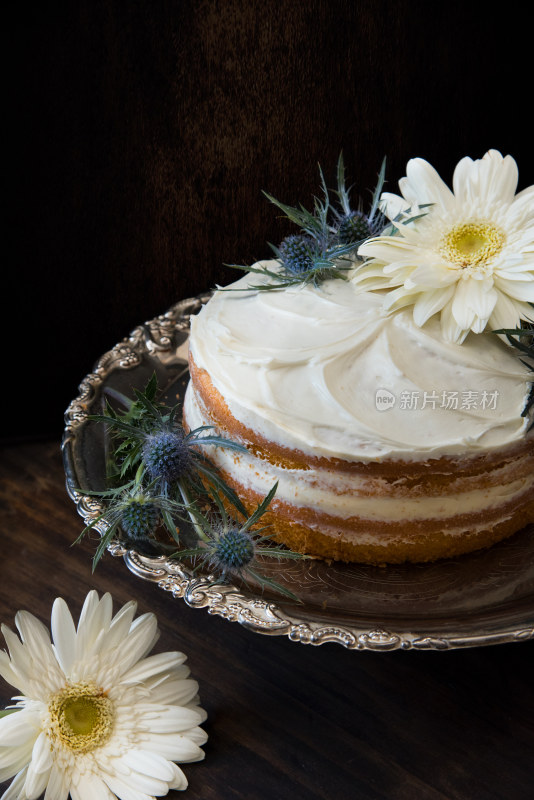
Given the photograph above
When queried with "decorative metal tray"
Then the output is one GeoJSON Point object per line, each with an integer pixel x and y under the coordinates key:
{"type": "Point", "coordinates": [480, 599]}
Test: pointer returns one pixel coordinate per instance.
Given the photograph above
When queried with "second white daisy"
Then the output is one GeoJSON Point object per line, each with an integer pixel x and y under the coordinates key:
{"type": "Point", "coordinates": [96, 718]}
{"type": "Point", "coordinates": [467, 255]}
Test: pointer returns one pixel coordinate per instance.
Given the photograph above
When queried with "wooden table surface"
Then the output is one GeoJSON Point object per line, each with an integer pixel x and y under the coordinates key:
{"type": "Point", "coordinates": [288, 721]}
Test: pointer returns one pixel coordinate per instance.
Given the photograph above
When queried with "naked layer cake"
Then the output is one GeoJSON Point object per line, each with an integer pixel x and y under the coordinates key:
{"type": "Point", "coordinates": [392, 438]}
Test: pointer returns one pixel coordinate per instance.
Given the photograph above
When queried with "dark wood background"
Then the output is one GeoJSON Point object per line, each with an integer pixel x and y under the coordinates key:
{"type": "Point", "coordinates": [140, 137]}
{"type": "Point", "coordinates": [142, 133]}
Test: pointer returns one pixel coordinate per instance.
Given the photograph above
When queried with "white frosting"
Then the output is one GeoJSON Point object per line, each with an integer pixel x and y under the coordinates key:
{"type": "Point", "coordinates": [302, 367]}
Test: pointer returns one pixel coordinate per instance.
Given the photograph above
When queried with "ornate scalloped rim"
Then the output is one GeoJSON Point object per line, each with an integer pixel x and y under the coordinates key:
{"type": "Point", "coordinates": [156, 338]}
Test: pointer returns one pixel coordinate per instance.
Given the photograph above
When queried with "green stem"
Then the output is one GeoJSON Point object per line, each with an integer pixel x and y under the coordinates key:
{"type": "Point", "coordinates": [188, 502]}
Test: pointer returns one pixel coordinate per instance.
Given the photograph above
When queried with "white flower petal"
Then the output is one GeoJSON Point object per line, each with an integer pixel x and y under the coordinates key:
{"type": "Point", "coordinates": [35, 782]}
{"type": "Point", "coordinates": [199, 735]}
{"type": "Point", "coordinates": [148, 784]}
{"type": "Point", "coordinates": [58, 785]}
{"type": "Point", "coordinates": [163, 662]}
{"type": "Point", "coordinates": [429, 303]}
{"type": "Point", "coordinates": [95, 619]}
{"type": "Point", "coordinates": [463, 303]}
{"type": "Point", "coordinates": [451, 331]}
{"type": "Point", "coordinates": [426, 185]}
{"type": "Point", "coordinates": [399, 298]}
{"type": "Point", "coordinates": [171, 692]}
{"type": "Point", "coordinates": [167, 719]}
{"type": "Point", "coordinates": [176, 747]}
{"type": "Point", "coordinates": [19, 728]}
{"type": "Point", "coordinates": [140, 640]}
{"type": "Point", "coordinates": [7, 672]}
{"type": "Point", "coordinates": [38, 651]}
{"type": "Point", "coordinates": [179, 780]}
{"type": "Point", "coordinates": [522, 208]}
{"type": "Point", "coordinates": [392, 205]}
{"type": "Point", "coordinates": [124, 790]}
{"type": "Point", "coordinates": [90, 787]}
{"type": "Point", "coordinates": [64, 634]}
{"type": "Point", "coordinates": [121, 624]}
{"type": "Point", "coordinates": [492, 178]}
{"type": "Point", "coordinates": [17, 652]}
{"type": "Point", "coordinates": [518, 290]}
{"type": "Point", "coordinates": [408, 192]}
{"type": "Point", "coordinates": [150, 764]}
{"type": "Point", "coordinates": [431, 276]}
{"type": "Point", "coordinates": [42, 754]}
{"type": "Point", "coordinates": [13, 792]}
{"type": "Point", "coordinates": [386, 248]}
{"type": "Point", "coordinates": [14, 758]}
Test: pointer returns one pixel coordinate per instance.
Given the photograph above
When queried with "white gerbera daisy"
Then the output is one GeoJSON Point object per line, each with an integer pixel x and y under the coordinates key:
{"type": "Point", "coordinates": [468, 255]}
{"type": "Point", "coordinates": [96, 718]}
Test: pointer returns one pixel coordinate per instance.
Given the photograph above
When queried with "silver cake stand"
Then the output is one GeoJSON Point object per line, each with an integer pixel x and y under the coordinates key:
{"type": "Point", "coordinates": [479, 599]}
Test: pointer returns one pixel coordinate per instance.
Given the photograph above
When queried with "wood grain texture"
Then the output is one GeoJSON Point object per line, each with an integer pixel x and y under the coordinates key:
{"type": "Point", "coordinates": [142, 134]}
{"type": "Point", "coordinates": [288, 721]}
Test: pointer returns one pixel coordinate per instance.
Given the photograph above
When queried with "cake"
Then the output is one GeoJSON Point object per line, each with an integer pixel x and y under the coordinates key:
{"type": "Point", "coordinates": [389, 441]}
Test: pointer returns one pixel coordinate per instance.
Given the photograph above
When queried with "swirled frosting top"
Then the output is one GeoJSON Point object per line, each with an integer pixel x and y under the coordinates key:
{"type": "Point", "coordinates": [322, 370]}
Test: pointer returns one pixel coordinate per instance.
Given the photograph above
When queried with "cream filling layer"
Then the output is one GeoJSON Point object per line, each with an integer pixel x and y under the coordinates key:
{"type": "Point", "coordinates": [324, 371]}
{"type": "Point", "coordinates": [310, 488]}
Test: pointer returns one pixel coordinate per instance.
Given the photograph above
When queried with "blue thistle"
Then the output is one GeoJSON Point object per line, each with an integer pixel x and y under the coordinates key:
{"type": "Point", "coordinates": [354, 227]}
{"type": "Point", "coordinates": [167, 455]}
{"type": "Point", "coordinates": [297, 254]}
{"type": "Point", "coordinates": [233, 551]}
{"type": "Point", "coordinates": [139, 517]}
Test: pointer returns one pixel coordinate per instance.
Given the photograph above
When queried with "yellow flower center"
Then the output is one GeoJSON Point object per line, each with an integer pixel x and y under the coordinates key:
{"type": "Point", "coordinates": [472, 245]}
{"type": "Point", "coordinates": [81, 717]}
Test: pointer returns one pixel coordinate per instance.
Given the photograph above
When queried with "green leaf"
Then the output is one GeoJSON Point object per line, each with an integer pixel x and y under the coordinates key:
{"type": "Point", "coordinates": [170, 525]}
{"type": "Point", "coordinates": [272, 584]}
{"type": "Point", "coordinates": [378, 190]}
{"type": "Point", "coordinates": [218, 483]}
{"type": "Point", "coordinates": [261, 509]}
{"type": "Point", "coordinates": [147, 404]}
{"type": "Point", "coordinates": [220, 441]}
{"type": "Point", "coordinates": [116, 423]}
{"type": "Point", "coordinates": [4, 712]}
{"type": "Point", "coordinates": [152, 387]}
{"type": "Point", "coordinates": [104, 542]}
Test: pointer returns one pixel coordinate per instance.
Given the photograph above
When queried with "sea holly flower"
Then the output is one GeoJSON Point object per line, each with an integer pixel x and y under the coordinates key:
{"type": "Point", "coordinates": [297, 254]}
{"type": "Point", "coordinates": [137, 511]}
{"type": "Point", "coordinates": [95, 715]}
{"type": "Point", "coordinates": [326, 247]}
{"type": "Point", "coordinates": [167, 455]}
{"type": "Point", "coordinates": [235, 549]}
{"type": "Point", "coordinates": [354, 226]}
{"type": "Point", "coordinates": [166, 481]}
{"type": "Point", "coordinates": [469, 257]}
{"type": "Point", "coordinates": [140, 516]}
{"type": "Point", "coordinates": [151, 441]}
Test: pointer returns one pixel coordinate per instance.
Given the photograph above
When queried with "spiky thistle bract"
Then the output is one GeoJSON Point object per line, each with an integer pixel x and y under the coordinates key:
{"type": "Point", "coordinates": [235, 549]}
{"type": "Point", "coordinates": [523, 340]}
{"type": "Point", "coordinates": [136, 511]}
{"type": "Point", "coordinates": [149, 435]}
{"type": "Point", "coordinates": [330, 236]}
{"type": "Point", "coordinates": [160, 477]}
